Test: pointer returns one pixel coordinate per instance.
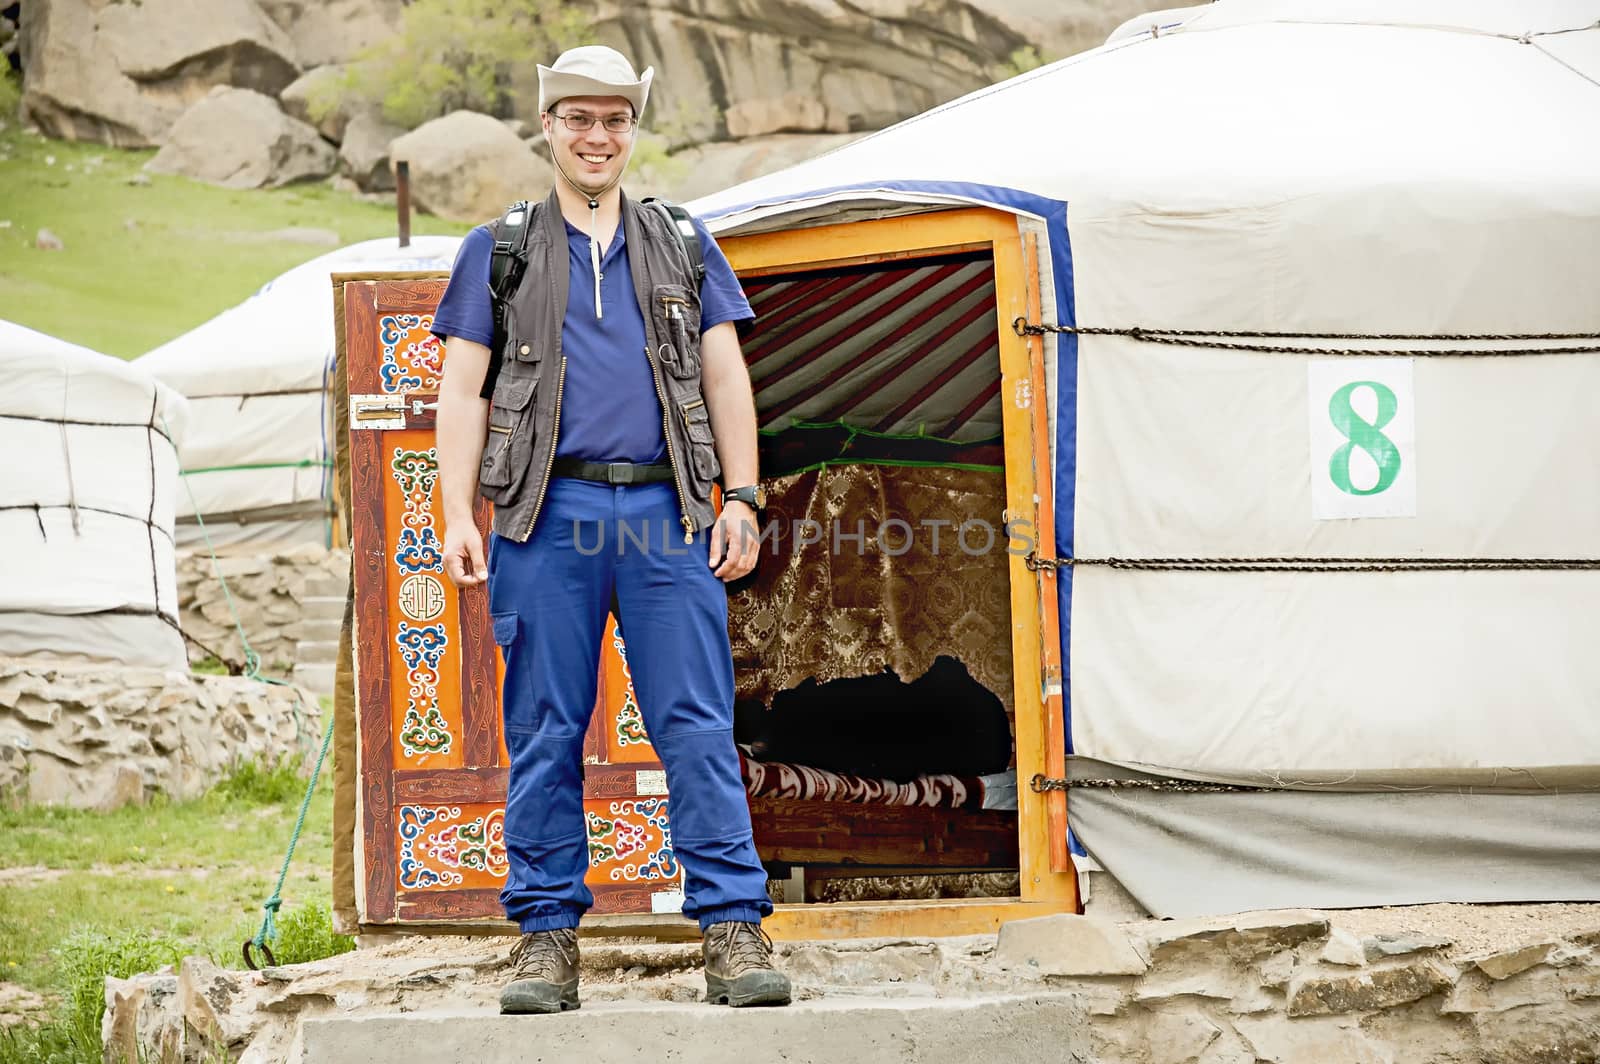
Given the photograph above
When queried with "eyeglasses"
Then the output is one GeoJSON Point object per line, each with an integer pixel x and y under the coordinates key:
{"type": "Point", "coordinates": [579, 122]}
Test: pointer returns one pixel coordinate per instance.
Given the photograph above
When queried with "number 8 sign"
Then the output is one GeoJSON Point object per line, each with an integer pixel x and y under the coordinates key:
{"type": "Point", "coordinates": [1363, 438]}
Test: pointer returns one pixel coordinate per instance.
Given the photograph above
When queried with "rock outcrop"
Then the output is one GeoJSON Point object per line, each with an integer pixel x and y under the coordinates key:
{"type": "Point", "coordinates": [122, 73]}
{"type": "Point", "coordinates": [241, 139]}
{"type": "Point", "coordinates": [333, 31]}
{"type": "Point", "coordinates": [468, 166]}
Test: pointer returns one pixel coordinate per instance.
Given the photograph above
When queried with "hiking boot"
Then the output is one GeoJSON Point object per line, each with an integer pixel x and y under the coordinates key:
{"type": "Point", "coordinates": [739, 969]}
{"type": "Point", "coordinates": [544, 973]}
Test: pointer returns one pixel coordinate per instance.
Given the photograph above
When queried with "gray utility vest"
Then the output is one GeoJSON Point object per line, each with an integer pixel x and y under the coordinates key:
{"type": "Point", "coordinates": [525, 415]}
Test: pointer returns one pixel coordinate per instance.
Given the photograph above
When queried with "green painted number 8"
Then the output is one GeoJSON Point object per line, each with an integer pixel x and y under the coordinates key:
{"type": "Point", "coordinates": [1365, 435]}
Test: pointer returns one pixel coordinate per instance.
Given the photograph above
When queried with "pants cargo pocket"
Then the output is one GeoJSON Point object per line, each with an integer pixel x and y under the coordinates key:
{"type": "Point", "coordinates": [517, 706]}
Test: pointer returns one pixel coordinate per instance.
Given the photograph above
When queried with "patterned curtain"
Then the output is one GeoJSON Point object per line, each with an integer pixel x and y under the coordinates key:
{"type": "Point", "coordinates": [914, 586]}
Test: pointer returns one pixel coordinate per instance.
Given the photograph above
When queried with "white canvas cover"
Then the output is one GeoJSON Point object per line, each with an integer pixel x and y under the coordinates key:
{"type": "Point", "coordinates": [257, 459]}
{"type": "Point", "coordinates": [86, 505]}
{"type": "Point", "coordinates": [1309, 167]}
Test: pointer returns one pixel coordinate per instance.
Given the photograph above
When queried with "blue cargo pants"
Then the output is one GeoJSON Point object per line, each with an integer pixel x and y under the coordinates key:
{"type": "Point", "coordinates": [595, 546]}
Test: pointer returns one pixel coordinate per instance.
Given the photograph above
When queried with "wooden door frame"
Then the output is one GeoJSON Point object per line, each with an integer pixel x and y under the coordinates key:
{"type": "Point", "coordinates": [1048, 881]}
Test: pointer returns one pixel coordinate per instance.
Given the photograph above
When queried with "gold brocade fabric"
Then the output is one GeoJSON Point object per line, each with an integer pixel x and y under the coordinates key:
{"type": "Point", "coordinates": [841, 607]}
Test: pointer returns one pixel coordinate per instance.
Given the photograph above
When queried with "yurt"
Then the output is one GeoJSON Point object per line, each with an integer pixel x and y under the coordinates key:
{"type": "Point", "coordinates": [86, 506]}
{"type": "Point", "coordinates": [257, 458]}
{"type": "Point", "coordinates": [1313, 294]}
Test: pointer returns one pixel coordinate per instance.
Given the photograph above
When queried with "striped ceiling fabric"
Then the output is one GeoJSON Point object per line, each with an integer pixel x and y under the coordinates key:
{"type": "Point", "coordinates": [905, 347]}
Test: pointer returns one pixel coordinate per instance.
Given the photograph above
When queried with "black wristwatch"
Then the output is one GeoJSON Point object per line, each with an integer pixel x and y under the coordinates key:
{"type": "Point", "coordinates": [754, 496]}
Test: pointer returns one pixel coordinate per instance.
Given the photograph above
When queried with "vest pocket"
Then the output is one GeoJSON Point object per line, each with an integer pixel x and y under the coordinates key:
{"type": "Point", "coordinates": [677, 321]}
{"type": "Point", "coordinates": [702, 445]}
{"type": "Point", "coordinates": [508, 448]}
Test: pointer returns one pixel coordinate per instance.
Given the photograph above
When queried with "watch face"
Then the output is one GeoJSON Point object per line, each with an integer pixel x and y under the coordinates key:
{"type": "Point", "coordinates": [761, 497]}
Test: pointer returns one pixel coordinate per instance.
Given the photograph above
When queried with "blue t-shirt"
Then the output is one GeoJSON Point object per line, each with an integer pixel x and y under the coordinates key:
{"type": "Point", "coordinates": [609, 408]}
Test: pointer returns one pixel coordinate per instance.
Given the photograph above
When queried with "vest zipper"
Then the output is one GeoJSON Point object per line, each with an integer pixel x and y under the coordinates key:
{"type": "Point", "coordinates": [672, 454]}
{"type": "Point", "coordinates": [555, 438]}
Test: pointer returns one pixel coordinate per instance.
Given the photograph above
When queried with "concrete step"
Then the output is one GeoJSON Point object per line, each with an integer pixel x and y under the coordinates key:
{"type": "Point", "coordinates": [322, 608]}
{"type": "Point", "coordinates": [327, 587]}
{"type": "Point", "coordinates": [320, 629]}
{"type": "Point", "coordinates": [318, 679]}
{"type": "Point", "coordinates": [1014, 1028]}
{"type": "Point", "coordinates": [316, 652]}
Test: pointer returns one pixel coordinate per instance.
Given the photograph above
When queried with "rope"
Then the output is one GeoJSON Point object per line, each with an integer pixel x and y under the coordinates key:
{"type": "Point", "coordinates": [1221, 339]}
{"type": "Point", "coordinates": [1041, 783]}
{"type": "Point", "coordinates": [1312, 565]}
{"type": "Point", "coordinates": [269, 922]}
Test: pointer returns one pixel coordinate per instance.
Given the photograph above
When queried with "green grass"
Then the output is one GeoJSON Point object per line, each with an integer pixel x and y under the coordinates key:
{"type": "Point", "coordinates": [145, 263]}
{"type": "Point", "coordinates": [92, 894]}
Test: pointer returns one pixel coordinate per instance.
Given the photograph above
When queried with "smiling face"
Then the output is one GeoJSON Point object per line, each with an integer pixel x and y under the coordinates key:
{"type": "Point", "coordinates": [592, 160]}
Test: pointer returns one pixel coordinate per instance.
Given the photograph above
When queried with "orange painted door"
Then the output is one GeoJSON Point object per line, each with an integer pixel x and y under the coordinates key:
{"type": "Point", "coordinates": [432, 758]}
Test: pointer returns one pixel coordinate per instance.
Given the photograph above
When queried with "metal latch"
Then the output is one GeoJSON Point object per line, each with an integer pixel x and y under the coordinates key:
{"type": "Point", "coordinates": [377, 412]}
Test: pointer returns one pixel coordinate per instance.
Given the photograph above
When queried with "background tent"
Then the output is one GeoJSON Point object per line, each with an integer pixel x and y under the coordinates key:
{"type": "Point", "coordinates": [86, 505]}
{"type": "Point", "coordinates": [257, 460]}
{"type": "Point", "coordinates": [1304, 174]}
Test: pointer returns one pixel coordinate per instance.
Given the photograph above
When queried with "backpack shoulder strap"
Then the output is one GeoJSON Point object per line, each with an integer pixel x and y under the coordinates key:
{"type": "Point", "coordinates": [682, 224]}
{"type": "Point", "coordinates": [507, 262]}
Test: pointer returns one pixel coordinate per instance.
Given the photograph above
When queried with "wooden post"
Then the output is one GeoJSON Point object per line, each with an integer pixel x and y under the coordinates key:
{"type": "Point", "coordinates": [402, 199]}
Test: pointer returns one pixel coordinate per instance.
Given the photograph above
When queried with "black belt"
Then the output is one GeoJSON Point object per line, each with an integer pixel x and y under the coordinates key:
{"type": "Point", "coordinates": [611, 472]}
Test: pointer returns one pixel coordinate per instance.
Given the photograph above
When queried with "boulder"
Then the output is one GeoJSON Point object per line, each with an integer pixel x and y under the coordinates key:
{"type": "Point", "coordinates": [123, 73]}
{"type": "Point", "coordinates": [240, 139]}
{"type": "Point", "coordinates": [333, 31]}
{"type": "Point", "coordinates": [468, 166]}
{"type": "Point", "coordinates": [364, 154]}
{"type": "Point", "coordinates": [298, 98]}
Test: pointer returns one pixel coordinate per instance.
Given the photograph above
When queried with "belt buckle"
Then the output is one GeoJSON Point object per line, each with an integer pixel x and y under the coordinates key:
{"type": "Point", "coordinates": [619, 472]}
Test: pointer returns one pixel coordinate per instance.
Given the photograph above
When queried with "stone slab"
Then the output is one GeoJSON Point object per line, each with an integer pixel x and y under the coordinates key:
{"type": "Point", "coordinates": [1014, 1028]}
{"type": "Point", "coordinates": [1067, 944]}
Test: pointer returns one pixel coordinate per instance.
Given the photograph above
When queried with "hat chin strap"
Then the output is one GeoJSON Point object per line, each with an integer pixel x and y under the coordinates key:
{"type": "Point", "coordinates": [594, 218]}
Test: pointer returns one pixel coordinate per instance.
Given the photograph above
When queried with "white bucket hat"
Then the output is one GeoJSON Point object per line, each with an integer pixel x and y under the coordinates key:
{"type": "Point", "coordinates": [593, 70]}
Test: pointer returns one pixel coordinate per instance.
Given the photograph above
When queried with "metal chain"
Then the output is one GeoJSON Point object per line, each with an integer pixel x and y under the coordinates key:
{"type": "Point", "coordinates": [1040, 784]}
{"type": "Point", "coordinates": [1313, 565]}
{"type": "Point", "coordinates": [1218, 338]}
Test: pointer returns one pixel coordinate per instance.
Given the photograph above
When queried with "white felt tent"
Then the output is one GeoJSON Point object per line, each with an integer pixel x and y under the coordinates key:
{"type": "Point", "coordinates": [258, 457]}
{"type": "Point", "coordinates": [86, 506]}
{"type": "Point", "coordinates": [1421, 170]}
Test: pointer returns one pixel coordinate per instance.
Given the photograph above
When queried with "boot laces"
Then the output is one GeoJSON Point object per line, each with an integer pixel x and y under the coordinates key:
{"type": "Point", "coordinates": [540, 954]}
{"type": "Point", "coordinates": [746, 946]}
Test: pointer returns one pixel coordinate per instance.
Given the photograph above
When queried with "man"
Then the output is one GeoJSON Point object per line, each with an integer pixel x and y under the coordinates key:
{"type": "Point", "coordinates": [619, 392]}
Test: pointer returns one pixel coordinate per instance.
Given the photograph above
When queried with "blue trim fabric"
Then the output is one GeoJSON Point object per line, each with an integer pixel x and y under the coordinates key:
{"type": "Point", "coordinates": [1054, 214]}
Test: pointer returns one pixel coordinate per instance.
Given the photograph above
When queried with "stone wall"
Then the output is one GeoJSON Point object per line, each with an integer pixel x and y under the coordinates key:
{"type": "Point", "coordinates": [269, 592]}
{"type": "Point", "coordinates": [1292, 987]}
{"type": "Point", "coordinates": [98, 736]}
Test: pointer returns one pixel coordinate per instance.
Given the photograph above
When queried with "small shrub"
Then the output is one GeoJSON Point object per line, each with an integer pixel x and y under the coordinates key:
{"type": "Point", "coordinates": [50, 1043]}
{"type": "Point", "coordinates": [306, 934]}
{"type": "Point", "coordinates": [451, 55]}
{"type": "Point", "coordinates": [259, 783]}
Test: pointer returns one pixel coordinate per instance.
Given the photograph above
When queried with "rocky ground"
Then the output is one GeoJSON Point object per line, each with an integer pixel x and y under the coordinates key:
{"type": "Point", "coordinates": [1441, 984]}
